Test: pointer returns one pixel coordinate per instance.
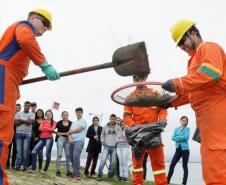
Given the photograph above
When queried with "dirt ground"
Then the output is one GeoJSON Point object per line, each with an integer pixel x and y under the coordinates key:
{"type": "Point", "coordinates": [23, 178]}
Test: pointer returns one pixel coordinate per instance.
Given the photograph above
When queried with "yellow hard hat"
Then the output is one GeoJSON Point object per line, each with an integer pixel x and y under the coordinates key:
{"type": "Point", "coordinates": [180, 28]}
{"type": "Point", "coordinates": [44, 13]}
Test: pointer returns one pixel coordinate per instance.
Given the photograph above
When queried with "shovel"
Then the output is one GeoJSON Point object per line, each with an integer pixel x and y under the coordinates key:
{"type": "Point", "coordinates": [126, 61]}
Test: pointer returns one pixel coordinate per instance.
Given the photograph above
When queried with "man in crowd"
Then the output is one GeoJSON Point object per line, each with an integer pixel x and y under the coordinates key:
{"type": "Point", "coordinates": [23, 123]}
{"type": "Point", "coordinates": [108, 140]}
{"type": "Point", "coordinates": [77, 136]}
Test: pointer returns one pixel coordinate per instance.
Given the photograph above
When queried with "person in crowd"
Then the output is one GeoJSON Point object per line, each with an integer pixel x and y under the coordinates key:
{"type": "Point", "coordinates": [63, 127]}
{"type": "Point", "coordinates": [123, 151]}
{"type": "Point", "coordinates": [39, 117]}
{"type": "Point", "coordinates": [33, 108]}
{"type": "Point", "coordinates": [23, 123]}
{"type": "Point", "coordinates": [118, 121]}
{"type": "Point", "coordinates": [204, 88]}
{"type": "Point", "coordinates": [145, 115]}
{"type": "Point", "coordinates": [77, 135]}
{"type": "Point", "coordinates": [46, 128]}
{"type": "Point", "coordinates": [180, 137]}
{"type": "Point", "coordinates": [18, 45]}
{"type": "Point", "coordinates": [108, 140]}
{"type": "Point", "coordinates": [12, 146]}
{"type": "Point", "coordinates": [33, 111]}
{"type": "Point", "coordinates": [94, 146]}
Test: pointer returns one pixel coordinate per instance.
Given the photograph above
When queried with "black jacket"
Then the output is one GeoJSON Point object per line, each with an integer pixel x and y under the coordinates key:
{"type": "Point", "coordinates": [94, 146]}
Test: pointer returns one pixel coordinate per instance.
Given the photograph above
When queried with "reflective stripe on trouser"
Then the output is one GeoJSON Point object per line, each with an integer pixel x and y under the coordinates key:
{"type": "Point", "coordinates": [158, 166]}
{"type": "Point", "coordinates": [137, 169]}
{"type": "Point", "coordinates": [158, 172]}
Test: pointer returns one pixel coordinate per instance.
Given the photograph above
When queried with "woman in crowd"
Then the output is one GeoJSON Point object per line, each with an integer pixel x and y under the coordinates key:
{"type": "Point", "coordinates": [46, 127]}
{"type": "Point", "coordinates": [63, 127]}
{"type": "Point", "coordinates": [39, 116]}
{"type": "Point", "coordinates": [123, 152]}
{"type": "Point", "coordinates": [94, 146]}
{"type": "Point", "coordinates": [180, 137]}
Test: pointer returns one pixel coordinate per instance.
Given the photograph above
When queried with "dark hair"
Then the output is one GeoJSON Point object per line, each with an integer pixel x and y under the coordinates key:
{"type": "Point", "coordinates": [52, 116]}
{"type": "Point", "coordinates": [95, 117]}
{"type": "Point", "coordinates": [193, 28]}
{"type": "Point", "coordinates": [182, 117]}
{"type": "Point", "coordinates": [18, 104]}
{"type": "Point", "coordinates": [36, 115]}
{"type": "Point", "coordinates": [122, 122]}
{"type": "Point", "coordinates": [79, 109]}
{"type": "Point", "coordinates": [27, 102]}
{"type": "Point", "coordinates": [63, 113]}
{"type": "Point", "coordinates": [113, 115]}
{"type": "Point", "coordinates": [33, 104]}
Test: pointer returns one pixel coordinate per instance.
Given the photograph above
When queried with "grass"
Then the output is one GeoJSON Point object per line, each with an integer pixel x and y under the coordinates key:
{"type": "Point", "coordinates": [19, 177]}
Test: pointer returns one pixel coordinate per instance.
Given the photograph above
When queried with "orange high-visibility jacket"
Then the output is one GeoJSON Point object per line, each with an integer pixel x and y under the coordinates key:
{"type": "Point", "coordinates": [206, 78]}
{"type": "Point", "coordinates": [18, 46]}
{"type": "Point", "coordinates": [143, 115]}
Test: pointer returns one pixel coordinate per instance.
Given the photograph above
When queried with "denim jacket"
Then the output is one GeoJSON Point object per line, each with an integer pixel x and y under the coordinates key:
{"type": "Point", "coordinates": [181, 137]}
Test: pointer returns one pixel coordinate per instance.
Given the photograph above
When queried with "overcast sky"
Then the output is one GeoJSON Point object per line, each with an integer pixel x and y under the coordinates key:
{"type": "Point", "coordinates": [88, 32]}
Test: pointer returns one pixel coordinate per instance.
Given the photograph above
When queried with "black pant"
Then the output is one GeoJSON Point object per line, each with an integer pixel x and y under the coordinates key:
{"type": "Point", "coordinates": [91, 157]}
{"type": "Point", "coordinates": [185, 156]}
{"type": "Point", "coordinates": [145, 165]}
{"type": "Point", "coordinates": [12, 147]}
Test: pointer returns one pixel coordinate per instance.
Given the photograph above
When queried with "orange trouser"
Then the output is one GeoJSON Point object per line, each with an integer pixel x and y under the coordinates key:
{"type": "Point", "coordinates": [8, 97]}
{"type": "Point", "coordinates": [6, 135]}
{"type": "Point", "coordinates": [158, 166]}
{"type": "Point", "coordinates": [212, 126]}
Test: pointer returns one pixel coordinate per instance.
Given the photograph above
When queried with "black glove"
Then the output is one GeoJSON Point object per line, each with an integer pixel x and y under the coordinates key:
{"type": "Point", "coordinates": [137, 151]}
{"type": "Point", "coordinates": [164, 106]}
{"type": "Point", "coordinates": [168, 86]}
{"type": "Point", "coordinates": [154, 142]}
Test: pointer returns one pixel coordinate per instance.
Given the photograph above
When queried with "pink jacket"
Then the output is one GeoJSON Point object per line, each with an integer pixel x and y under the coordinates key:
{"type": "Point", "coordinates": [46, 128]}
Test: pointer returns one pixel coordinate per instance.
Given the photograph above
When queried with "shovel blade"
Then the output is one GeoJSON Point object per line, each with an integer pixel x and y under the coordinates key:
{"type": "Point", "coordinates": [131, 60]}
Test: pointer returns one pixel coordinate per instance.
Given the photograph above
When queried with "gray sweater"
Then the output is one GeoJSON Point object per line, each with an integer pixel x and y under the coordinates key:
{"type": "Point", "coordinates": [121, 141]}
{"type": "Point", "coordinates": [108, 134]}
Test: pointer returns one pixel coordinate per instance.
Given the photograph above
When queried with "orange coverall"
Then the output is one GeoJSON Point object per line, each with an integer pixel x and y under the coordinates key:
{"type": "Point", "coordinates": [18, 46]}
{"type": "Point", "coordinates": [145, 115]}
{"type": "Point", "coordinates": [204, 87]}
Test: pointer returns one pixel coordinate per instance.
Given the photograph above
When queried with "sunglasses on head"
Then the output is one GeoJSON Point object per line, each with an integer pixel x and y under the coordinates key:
{"type": "Point", "coordinates": [182, 40]}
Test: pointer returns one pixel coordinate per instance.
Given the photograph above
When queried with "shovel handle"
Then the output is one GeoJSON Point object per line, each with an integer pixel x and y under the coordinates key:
{"type": "Point", "coordinates": [72, 72]}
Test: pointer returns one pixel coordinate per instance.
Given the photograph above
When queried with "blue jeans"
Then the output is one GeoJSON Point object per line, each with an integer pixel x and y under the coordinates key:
{"type": "Point", "coordinates": [123, 157]}
{"type": "Point", "coordinates": [48, 142]}
{"type": "Point", "coordinates": [108, 150]}
{"type": "Point", "coordinates": [62, 144]}
{"type": "Point", "coordinates": [22, 146]}
{"type": "Point", "coordinates": [75, 150]}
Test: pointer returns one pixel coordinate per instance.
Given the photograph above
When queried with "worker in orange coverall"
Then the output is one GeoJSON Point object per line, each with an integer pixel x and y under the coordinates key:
{"type": "Point", "coordinates": [145, 115]}
{"type": "Point", "coordinates": [204, 87]}
{"type": "Point", "coordinates": [18, 46]}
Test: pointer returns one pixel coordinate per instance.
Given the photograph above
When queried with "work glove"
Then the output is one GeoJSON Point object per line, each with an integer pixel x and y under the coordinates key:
{"type": "Point", "coordinates": [137, 151]}
{"type": "Point", "coordinates": [153, 142]}
{"type": "Point", "coordinates": [169, 86]}
{"type": "Point", "coordinates": [50, 72]}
